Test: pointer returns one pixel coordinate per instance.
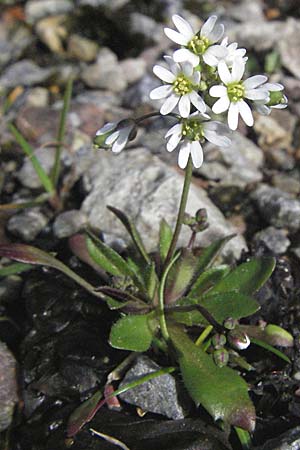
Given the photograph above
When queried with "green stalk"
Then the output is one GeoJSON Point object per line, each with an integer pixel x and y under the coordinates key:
{"type": "Point", "coordinates": [61, 131]}
{"type": "Point", "coordinates": [181, 212]}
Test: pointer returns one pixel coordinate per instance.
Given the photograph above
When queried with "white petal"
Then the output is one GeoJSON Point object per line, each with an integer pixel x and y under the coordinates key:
{"type": "Point", "coordinates": [221, 105]}
{"type": "Point", "coordinates": [210, 59]}
{"type": "Point", "coordinates": [208, 26]}
{"type": "Point", "coordinates": [224, 42]}
{"type": "Point", "coordinates": [256, 94]}
{"type": "Point", "coordinates": [176, 37]}
{"type": "Point", "coordinates": [184, 106]}
{"type": "Point", "coordinates": [238, 69]}
{"type": "Point", "coordinates": [161, 92]}
{"type": "Point", "coordinates": [217, 50]}
{"type": "Point", "coordinates": [246, 113]}
{"type": "Point", "coordinates": [216, 33]}
{"type": "Point", "coordinates": [197, 101]}
{"type": "Point", "coordinates": [187, 69]}
{"type": "Point", "coordinates": [174, 141]}
{"type": "Point", "coordinates": [183, 26]}
{"type": "Point", "coordinates": [175, 68]}
{"type": "Point", "coordinates": [183, 54]}
{"type": "Point", "coordinates": [273, 87]}
{"type": "Point", "coordinates": [184, 154]}
{"type": "Point", "coordinates": [112, 138]}
{"type": "Point", "coordinates": [169, 104]}
{"type": "Point", "coordinates": [262, 109]}
{"type": "Point", "coordinates": [232, 47]}
{"type": "Point", "coordinates": [109, 126]}
{"type": "Point", "coordinates": [195, 79]}
{"type": "Point", "coordinates": [174, 130]}
{"type": "Point", "coordinates": [280, 106]}
{"type": "Point", "coordinates": [255, 81]}
{"type": "Point", "coordinates": [224, 72]}
{"type": "Point", "coordinates": [218, 91]}
{"type": "Point", "coordinates": [214, 138]}
{"type": "Point", "coordinates": [122, 140]}
{"type": "Point", "coordinates": [164, 74]}
{"type": "Point", "coordinates": [233, 116]}
{"type": "Point", "coordinates": [197, 154]}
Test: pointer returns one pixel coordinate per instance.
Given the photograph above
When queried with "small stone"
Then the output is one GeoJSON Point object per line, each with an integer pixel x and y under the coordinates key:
{"type": "Point", "coordinates": [134, 69]}
{"type": "Point", "coordinates": [280, 159]}
{"type": "Point", "coordinates": [111, 5]}
{"type": "Point", "coordinates": [275, 131]}
{"type": "Point", "coordinates": [274, 239]}
{"type": "Point", "coordinates": [278, 208]}
{"type": "Point", "coordinates": [145, 28]}
{"type": "Point", "coordinates": [82, 48]}
{"type": "Point", "coordinates": [261, 37]}
{"type": "Point", "coordinates": [27, 174]}
{"type": "Point", "coordinates": [8, 386]}
{"type": "Point", "coordinates": [286, 182]}
{"type": "Point", "coordinates": [52, 32]}
{"type": "Point", "coordinates": [158, 396]}
{"type": "Point", "coordinates": [24, 73]}
{"type": "Point", "coordinates": [10, 288]}
{"type": "Point", "coordinates": [138, 94]}
{"type": "Point", "coordinates": [27, 224]}
{"type": "Point", "coordinates": [37, 97]}
{"type": "Point", "coordinates": [69, 223]}
{"type": "Point", "coordinates": [288, 46]}
{"type": "Point", "coordinates": [106, 73]}
{"type": "Point", "coordinates": [246, 11]}
{"type": "Point", "coordinates": [37, 9]}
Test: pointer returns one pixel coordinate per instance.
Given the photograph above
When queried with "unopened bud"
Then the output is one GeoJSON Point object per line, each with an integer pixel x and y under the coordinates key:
{"type": "Point", "coordinates": [221, 357]}
{"type": "Point", "coordinates": [238, 339]}
{"type": "Point", "coordinates": [218, 341]}
{"type": "Point", "coordinates": [230, 323]}
{"type": "Point", "coordinates": [277, 98]}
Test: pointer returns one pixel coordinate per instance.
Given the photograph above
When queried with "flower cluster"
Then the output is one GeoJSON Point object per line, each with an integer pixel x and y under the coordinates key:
{"type": "Point", "coordinates": [203, 77]}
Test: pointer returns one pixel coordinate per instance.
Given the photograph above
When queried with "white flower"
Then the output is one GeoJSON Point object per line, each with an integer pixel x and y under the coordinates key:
{"type": "Point", "coordinates": [234, 91]}
{"type": "Point", "coordinates": [197, 45]}
{"type": "Point", "coordinates": [190, 133]}
{"type": "Point", "coordinates": [233, 52]}
{"type": "Point", "coordinates": [276, 99]}
{"type": "Point", "coordinates": [115, 134]}
{"type": "Point", "coordinates": [181, 88]}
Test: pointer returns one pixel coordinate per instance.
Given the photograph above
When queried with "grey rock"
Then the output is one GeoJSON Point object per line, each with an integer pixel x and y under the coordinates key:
{"type": "Point", "coordinates": [145, 27]}
{"type": "Point", "coordinates": [147, 190]}
{"type": "Point", "coordinates": [8, 386]}
{"type": "Point", "coordinates": [27, 224]}
{"type": "Point", "coordinates": [274, 239]}
{"type": "Point", "coordinates": [258, 35]}
{"type": "Point", "coordinates": [12, 46]}
{"type": "Point", "coordinates": [138, 94]}
{"type": "Point", "coordinates": [134, 69]}
{"type": "Point", "coordinates": [36, 9]}
{"type": "Point", "coordinates": [102, 99]}
{"type": "Point", "coordinates": [10, 288]}
{"type": "Point", "coordinates": [287, 182]}
{"type": "Point", "coordinates": [280, 159]}
{"type": "Point", "coordinates": [69, 223]}
{"type": "Point", "coordinates": [292, 87]}
{"type": "Point", "coordinates": [38, 97]}
{"type": "Point", "coordinates": [290, 440]}
{"type": "Point", "coordinates": [246, 11]}
{"type": "Point", "coordinates": [106, 73]}
{"type": "Point", "coordinates": [288, 45]}
{"type": "Point", "coordinates": [158, 396]}
{"type": "Point", "coordinates": [28, 176]}
{"type": "Point", "coordinates": [275, 131]}
{"type": "Point", "coordinates": [278, 208]}
{"type": "Point", "coordinates": [242, 151]}
{"type": "Point", "coordinates": [82, 48]}
{"type": "Point", "coordinates": [24, 73]}
{"type": "Point", "coordinates": [111, 5]}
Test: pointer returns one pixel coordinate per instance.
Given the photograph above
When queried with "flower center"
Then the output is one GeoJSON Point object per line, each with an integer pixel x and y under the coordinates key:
{"type": "Point", "coordinates": [192, 129]}
{"type": "Point", "coordinates": [182, 85]}
{"type": "Point", "coordinates": [235, 91]}
{"type": "Point", "coordinates": [199, 44]}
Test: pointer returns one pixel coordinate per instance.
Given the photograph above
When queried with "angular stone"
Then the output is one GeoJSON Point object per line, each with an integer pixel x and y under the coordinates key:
{"type": "Point", "coordinates": [24, 73]}
{"type": "Point", "coordinates": [289, 48]}
{"type": "Point", "coordinates": [36, 9]}
{"type": "Point", "coordinates": [147, 190]}
{"type": "Point", "coordinates": [274, 239]}
{"type": "Point", "coordinates": [27, 224]}
{"type": "Point", "coordinates": [276, 130]}
{"type": "Point", "coordinates": [134, 69]}
{"type": "Point", "coordinates": [158, 395]}
{"type": "Point", "coordinates": [8, 386]}
{"type": "Point", "coordinates": [82, 48]}
{"type": "Point", "coordinates": [258, 35]}
{"type": "Point", "coordinates": [69, 223]}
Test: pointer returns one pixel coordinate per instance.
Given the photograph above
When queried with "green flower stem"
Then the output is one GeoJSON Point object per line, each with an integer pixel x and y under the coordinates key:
{"type": "Point", "coordinates": [244, 438]}
{"type": "Point", "coordinates": [206, 332]}
{"type": "Point", "coordinates": [61, 131]}
{"type": "Point", "coordinates": [161, 303]}
{"type": "Point", "coordinates": [181, 212]}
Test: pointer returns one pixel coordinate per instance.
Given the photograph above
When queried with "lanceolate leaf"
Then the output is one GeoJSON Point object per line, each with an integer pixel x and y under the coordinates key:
{"type": "Point", "coordinates": [210, 253]}
{"type": "Point", "coordinates": [83, 414]}
{"type": "Point", "coordinates": [132, 333]}
{"type": "Point", "coordinates": [15, 268]}
{"type": "Point", "coordinates": [32, 255]}
{"type": "Point", "coordinates": [180, 276]}
{"type": "Point", "coordinates": [131, 228]}
{"type": "Point", "coordinates": [221, 391]}
{"type": "Point", "coordinates": [165, 238]}
{"type": "Point", "coordinates": [99, 258]}
{"type": "Point", "coordinates": [208, 279]}
{"type": "Point", "coordinates": [248, 277]}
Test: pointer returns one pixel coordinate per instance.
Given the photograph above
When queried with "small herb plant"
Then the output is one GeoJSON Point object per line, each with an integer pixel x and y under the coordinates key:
{"type": "Point", "coordinates": [177, 300]}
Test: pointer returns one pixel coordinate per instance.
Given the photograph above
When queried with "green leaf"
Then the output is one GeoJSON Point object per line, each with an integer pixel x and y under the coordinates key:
{"type": "Point", "coordinates": [131, 228]}
{"type": "Point", "coordinates": [221, 391]}
{"type": "Point", "coordinates": [99, 257]}
{"type": "Point", "coordinates": [248, 277]}
{"type": "Point", "coordinates": [210, 253]}
{"type": "Point", "coordinates": [32, 255]}
{"type": "Point", "coordinates": [220, 306]}
{"type": "Point", "coordinates": [28, 150]}
{"type": "Point", "coordinates": [165, 238]}
{"type": "Point", "coordinates": [131, 333]}
{"type": "Point", "coordinates": [208, 279]}
{"type": "Point", "coordinates": [180, 276]}
{"type": "Point", "coordinates": [150, 278]}
{"type": "Point", "coordinates": [13, 269]}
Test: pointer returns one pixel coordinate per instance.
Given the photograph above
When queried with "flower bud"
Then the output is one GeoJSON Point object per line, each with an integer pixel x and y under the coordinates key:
{"type": "Point", "coordinates": [277, 98]}
{"type": "Point", "coordinates": [221, 357]}
{"type": "Point", "coordinates": [218, 341]}
{"type": "Point", "coordinates": [115, 135]}
{"type": "Point", "coordinates": [238, 339]}
{"type": "Point", "coordinates": [230, 323]}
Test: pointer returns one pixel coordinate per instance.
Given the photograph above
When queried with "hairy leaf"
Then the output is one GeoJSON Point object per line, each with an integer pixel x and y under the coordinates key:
{"type": "Point", "coordinates": [208, 279]}
{"type": "Point", "coordinates": [221, 391]}
{"type": "Point", "coordinates": [100, 258]}
{"type": "Point", "coordinates": [180, 276]}
{"type": "Point", "coordinates": [165, 238]}
{"type": "Point", "coordinates": [131, 333]}
{"type": "Point", "coordinates": [210, 253]}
